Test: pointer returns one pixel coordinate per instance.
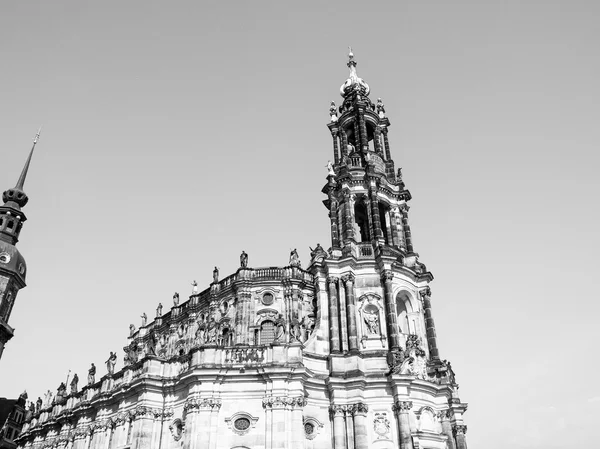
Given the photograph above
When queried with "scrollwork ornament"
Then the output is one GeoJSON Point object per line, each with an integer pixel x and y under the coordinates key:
{"type": "Point", "coordinates": [402, 406]}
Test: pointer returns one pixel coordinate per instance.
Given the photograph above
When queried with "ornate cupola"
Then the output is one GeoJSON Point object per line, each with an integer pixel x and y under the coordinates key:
{"type": "Point", "coordinates": [367, 199]}
{"type": "Point", "coordinates": [12, 264]}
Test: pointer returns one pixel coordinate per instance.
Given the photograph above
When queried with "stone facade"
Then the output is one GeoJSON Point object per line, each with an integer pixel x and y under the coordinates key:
{"type": "Point", "coordinates": [341, 354]}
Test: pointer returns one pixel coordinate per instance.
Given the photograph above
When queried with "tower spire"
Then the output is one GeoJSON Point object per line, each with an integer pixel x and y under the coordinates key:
{"type": "Point", "coordinates": [21, 181]}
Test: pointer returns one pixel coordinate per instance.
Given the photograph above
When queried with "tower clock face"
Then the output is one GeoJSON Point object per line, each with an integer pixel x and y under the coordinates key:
{"type": "Point", "coordinates": [4, 258]}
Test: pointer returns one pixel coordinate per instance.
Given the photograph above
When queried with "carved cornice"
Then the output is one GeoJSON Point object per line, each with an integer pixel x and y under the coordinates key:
{"type": "Point", "coordinates": [402, 406]}
{"type": "Point", "coordinates": [193, 404]}
{"type": "Point", "coordinates": [274, 402]}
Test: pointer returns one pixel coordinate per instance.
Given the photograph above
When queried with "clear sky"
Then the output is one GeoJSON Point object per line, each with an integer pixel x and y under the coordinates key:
{"type": "Point", "coordinates": [177, 134]}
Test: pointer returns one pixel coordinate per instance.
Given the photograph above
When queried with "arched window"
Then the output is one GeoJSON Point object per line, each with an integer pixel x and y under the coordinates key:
{"type": "Point", "coordinates": [267, 332]}
{"type": "Point", "coordinates": [402, 312]}
{"type": "Point", "coordinates": [361, 219]}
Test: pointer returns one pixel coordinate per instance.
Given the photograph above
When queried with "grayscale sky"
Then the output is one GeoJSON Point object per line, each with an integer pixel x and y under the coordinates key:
{"type": "Point", "coordinates": [177, 134]}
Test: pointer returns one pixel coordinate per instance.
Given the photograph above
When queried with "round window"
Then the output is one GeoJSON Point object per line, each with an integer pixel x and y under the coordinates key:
{"type": "Point", "coordinates": [4, 258]}
{"type": "Point", "coordinates": [309, 428]}
{"type": "Point", "coordinates": [267, 299]}
{"type": "Point", "coordinates": [241, 424]}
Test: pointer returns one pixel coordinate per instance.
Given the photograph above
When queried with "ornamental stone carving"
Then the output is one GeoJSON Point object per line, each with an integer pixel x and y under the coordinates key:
{"type": "Point", "coordinates": [459, 429]}
{"type": "Point", "coordinates": [381, 426]}
{"type": "Point", "coordinates": [312, 427]}
{"type": "Point", "coordinates": [202, 404]}
{"type": "Point", "coordinates": [402, 406]}
{"type": "Point", "coordinates": [176, 428]}
{"type": "Point", "coordinates": [273, 402]}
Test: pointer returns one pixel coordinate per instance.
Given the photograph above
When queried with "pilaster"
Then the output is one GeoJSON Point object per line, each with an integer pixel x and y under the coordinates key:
{"type": "Point", "coordinates": [348, 280]}
{"type": "Point", "coordinates": [334, 331]}
{"type": "Point", "coordinates": [390, 308]}
{"type": "Point", "coordinates": [401, 409]}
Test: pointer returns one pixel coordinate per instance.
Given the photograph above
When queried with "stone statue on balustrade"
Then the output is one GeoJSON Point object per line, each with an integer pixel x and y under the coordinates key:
{"type": "Point", "coordinates": [38, 404]}
{"type": "Point", "coordinates": [131, 330]}
{"type": "Point", "coordinates": [74, 382]}
{"type": "Point", "coordinates": [215, 275]}
{"type": "Point", "coordinates": [92, 374]}
{"type": "Point", "coordinates": [159, 310]}
{"type": "Point", "coordinates": [194, 287]}
{"type": "Point", "coordinates": [110, 363]}
{"type": "Point", "coordinates": [244, 259]}
{"type": "Point", "coordinates": [48, 399]}
{"type": "Point", "coordinates": [176, 298]}
{"type": "Point", "coordinates": [144, 318]}
{"type": "Point", "coordinates": [294, 258]}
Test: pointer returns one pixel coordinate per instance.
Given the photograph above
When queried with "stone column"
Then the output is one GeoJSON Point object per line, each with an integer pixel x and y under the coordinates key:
{"type": "Point", "coordinates": [297, 429]}
{"type": "Point", "coordinates": [79, 438]}
{"type": "Point", "coordinates": [361, 436]}
{"type": "Point", "coordinates": [370, 218]}
{"type": "Point", "coordinates": [142, 428]}
{"type": "Point", "coordinates": [349, 216]}
{"type": "Point", "coordinates": [376, 217]}
{"type": "Point", "coordinates": [350, 426]}
{"type": "Point", "coordinates": [364, 143]}
{"type": "Point", "coordinates": [344, 142]}
{"type": "Point", "coordinates": [334, 134]}
{"type": "Point", "coordinates": [377, 141]}
{"type": "Point", "coordinates": [460, 431]}
{"type": "Point", "coordinates": [401, 409]}
{"type": "Point", "coordinates": [406, 228]}
{"type": "Point", "coordinates": [215, 407]}
{"type": "Point", "coordinates": [334, 326]}
{"type": "Point", "coordinates": [338, 413]}
{"type": "Point", "coordinates": [276, 414]}
{"type": "Point", "coordinates": [390, 311]}
{"type": "Point", "coordinates": [198, 414]}
{"type": "Point", "coordinates": [357, 135]}
{"type": "Point", "coordinates": [386, 144]}
{"type": "Point", "coordinates": [348, 280]}
{"type": "Point", "coordinates": [447, 428]}
{"type": "Point", "coordinates": [333, 215]}
{"type": "Point", "coordinates": [429, 324]}
{"type": "Point", "coordinates": [399, 229]}
{"type": "Point", "coordinates": [242, 312]}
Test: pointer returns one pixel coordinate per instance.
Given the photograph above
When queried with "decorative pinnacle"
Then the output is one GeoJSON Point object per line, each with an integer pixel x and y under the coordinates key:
{"type": "Point", "coordinates": [21, 180]}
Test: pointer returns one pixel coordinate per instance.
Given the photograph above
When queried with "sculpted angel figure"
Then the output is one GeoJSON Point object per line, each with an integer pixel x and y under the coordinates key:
{"type": "Point", "coordinates": [330, 169]}
{"type": "Point", "coordinates": [294, 258]}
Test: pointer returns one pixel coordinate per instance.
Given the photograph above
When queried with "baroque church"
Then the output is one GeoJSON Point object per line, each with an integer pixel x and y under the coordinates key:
{"type": "Point", "coordinates": [342, 353]}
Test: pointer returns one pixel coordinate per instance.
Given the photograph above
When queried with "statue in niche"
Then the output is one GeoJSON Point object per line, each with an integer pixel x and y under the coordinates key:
{"type": "Point", "coordinates": [280, 329]}
{"type": "Point", "coordinates": [294, 258]}
{"type": "Point", "coordinates": [38, 404]}
{"type": "Point", "coordinates": [194, 287]}
{"type": "Point", "coordinates": [200, 335]}
{"type": "Point", "coordinates": [295, 330]}
{"type": "Point", "coordinates": [350, 148]}
{"type": "Point", "coordinates": [211, 336]}
{"type": "Point", "coordinates": [92, 374]}
{"type": "Point", "coordinates": [110, 363]}
{"type": "Point", "coordinates": [144, 318]}
{"type": "Point", "coordinates": [372, 321]}
{"type": "Point", "coordinates": [176, 298]}
{"type": "Point", "coordinates": [244, 259]}
{"type": "Point", "coordinates": [74, 382]}
{"type": "Point", "coordinates": [181, 330]}
{"type": "Point", "coordinates": [131, 330]}
{"type": "Point", "coordinates": [330, 170]}
{"type": "Point", "coordinates": [159, 310]}
{"type": "Point", "coordinates": [216, 275]}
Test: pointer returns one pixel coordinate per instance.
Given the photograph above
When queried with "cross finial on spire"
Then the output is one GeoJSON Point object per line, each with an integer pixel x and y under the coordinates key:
{"type": "Point", "coordinates": [21, 180]}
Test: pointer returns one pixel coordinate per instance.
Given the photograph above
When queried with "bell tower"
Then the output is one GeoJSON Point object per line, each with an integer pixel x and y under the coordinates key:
{"type": "Point", "coordinates": [12, 264]}
{"type": "Point", "coordinates": [378, 320]}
